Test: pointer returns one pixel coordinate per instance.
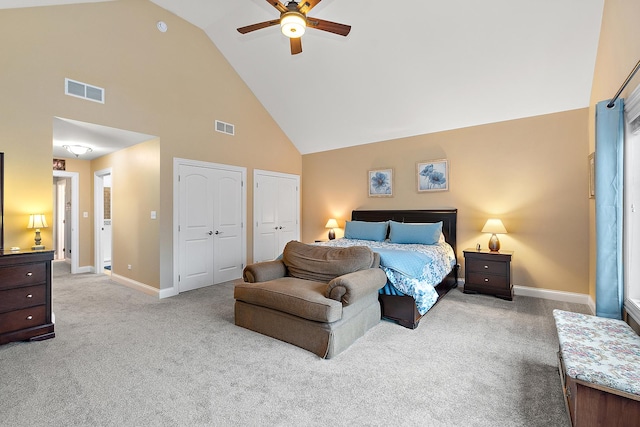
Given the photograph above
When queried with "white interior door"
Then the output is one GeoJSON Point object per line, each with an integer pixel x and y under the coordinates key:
{"type": "Point", "coordinates": [211, 204]}
{"type": "Point", "coordinates": [228, 244]}
{"type": "Point", "coordinates": [196, 227]}
{"type": "Point", "coordinates": [276, 199]}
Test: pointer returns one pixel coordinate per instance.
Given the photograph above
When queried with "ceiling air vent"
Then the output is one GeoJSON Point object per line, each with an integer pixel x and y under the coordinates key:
{"type": "Point", "coordinates": [223, 127]}
{"type": "Point", "coordinates": [83, 90]}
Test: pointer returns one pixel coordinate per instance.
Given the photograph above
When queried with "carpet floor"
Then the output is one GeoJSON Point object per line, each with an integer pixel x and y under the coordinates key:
{"type": "Point", "coordinates": [123, 358]}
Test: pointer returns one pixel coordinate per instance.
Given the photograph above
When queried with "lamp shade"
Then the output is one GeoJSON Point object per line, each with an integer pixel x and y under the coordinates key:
{"type": "Point", "coordinates": [332, 223]}
{"type": "Point", "coordinates": [37, 221]}
{"type": "Point", "coordinates": [293, 24]}
{"type": "Point", "coordinates": [494, 226]}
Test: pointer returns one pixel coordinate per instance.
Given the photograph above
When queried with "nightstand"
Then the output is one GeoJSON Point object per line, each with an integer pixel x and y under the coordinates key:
{"type": "Point", "coordinates": [488, 272]}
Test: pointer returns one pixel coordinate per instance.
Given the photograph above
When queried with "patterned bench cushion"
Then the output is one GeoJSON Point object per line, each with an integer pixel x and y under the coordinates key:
{"type": "Point", "coordinates": [599, 350]}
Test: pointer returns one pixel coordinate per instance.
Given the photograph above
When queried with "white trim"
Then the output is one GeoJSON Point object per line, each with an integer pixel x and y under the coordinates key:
{"type": "Point", "coordinates": [633, 309]}
{"type": "Point", "coordinates": [98, 213]}
{"type": "Point", "coordinates": [572, 297]}
{"type": "Point", "coordinates": [550, 294]}
{"type": "Point", "coordinates": [138, 286]}
{"type": "Point", "coordinates": [177, 162]}
{"type": "Point", "coordinates": [75, 201]}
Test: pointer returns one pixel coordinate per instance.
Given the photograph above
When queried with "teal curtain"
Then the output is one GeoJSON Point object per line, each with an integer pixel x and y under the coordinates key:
{"type": "Point", "coordinates": [609, 197]}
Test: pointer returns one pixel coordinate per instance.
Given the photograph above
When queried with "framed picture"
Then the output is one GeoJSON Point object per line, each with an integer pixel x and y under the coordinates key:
{"type": "Point", "coordinates": [58, 164]}
{"type": "Point", "coordinates": [592, 176]}
{"type": "Point", "coordinates": [380, 183]}
{"type": "Point", "coordinates": [432, 175]}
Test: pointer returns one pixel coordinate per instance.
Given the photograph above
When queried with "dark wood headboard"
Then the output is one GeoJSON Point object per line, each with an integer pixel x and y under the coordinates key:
{"type": "Point", "coordinates": [447, 216]}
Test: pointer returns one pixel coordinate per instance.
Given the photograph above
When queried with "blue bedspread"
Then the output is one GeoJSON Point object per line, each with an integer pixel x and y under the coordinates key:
{"type": "Point", "coordinates": [411, 269]}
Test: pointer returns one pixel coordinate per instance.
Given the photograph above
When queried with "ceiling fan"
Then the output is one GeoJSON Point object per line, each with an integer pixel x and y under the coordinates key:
{"type": "Point", "coordinates": [294, 20]}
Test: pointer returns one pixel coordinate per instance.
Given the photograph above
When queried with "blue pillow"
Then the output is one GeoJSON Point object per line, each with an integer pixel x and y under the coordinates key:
{"type": "Point", "coordinates": [423, 233]}
{"type": "Point", "coordinates": [363, 230]}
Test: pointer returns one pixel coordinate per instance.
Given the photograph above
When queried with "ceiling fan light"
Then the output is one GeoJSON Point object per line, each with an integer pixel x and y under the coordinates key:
{"type": "Point", "coordinates": [293, 24]}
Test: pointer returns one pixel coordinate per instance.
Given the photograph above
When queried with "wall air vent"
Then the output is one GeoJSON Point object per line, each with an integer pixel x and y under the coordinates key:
{"type": "Point", "coordinates": [632, 110]}
{"type": "Point", "coordinates": [223, 127]}
{"type": "Point", "coordinates": [83, 90]}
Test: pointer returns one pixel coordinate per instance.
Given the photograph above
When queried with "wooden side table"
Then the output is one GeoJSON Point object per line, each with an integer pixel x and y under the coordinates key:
{"type": "Point", "coordinates": [488, 272]}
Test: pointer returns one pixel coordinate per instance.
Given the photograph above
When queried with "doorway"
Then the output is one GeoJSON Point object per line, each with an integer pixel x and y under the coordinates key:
{"type": "Point", "coordinates": [103, 222]}
{"type": "Point", "coordinates": [65, 222]}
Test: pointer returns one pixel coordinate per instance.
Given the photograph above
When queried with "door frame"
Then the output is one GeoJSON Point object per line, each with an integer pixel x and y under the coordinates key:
{"type": "Point", "coordinates": [177, 162]}
{"type": "Point", "coordinates": [75, 208]}
{"type": "Point", "coordinates": [98, 217]}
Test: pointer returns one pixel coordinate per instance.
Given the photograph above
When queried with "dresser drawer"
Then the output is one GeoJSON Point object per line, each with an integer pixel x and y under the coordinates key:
{"type": "Point", "coordinates": [486, 267]}
{"type": "Point", "coordinates": [487, 280]}
{"type": "Point", "coordinates": [29, 296]}
{"type": "Point", "coordinates": [22, 319]}
{"type": "Point", "coordinates": [23, 274]}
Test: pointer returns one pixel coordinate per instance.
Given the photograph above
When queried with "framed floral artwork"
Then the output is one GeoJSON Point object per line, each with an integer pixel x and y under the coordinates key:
{"type": "Point", "coordinates": [432, 175]}
{"type": "Point", "coordinates": [380, 183]}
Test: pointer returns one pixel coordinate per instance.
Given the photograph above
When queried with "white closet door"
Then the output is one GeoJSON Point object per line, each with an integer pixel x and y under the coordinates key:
{"type": "Point", "coordinates": [196, 227]}
{"type": "Point", "coordinates": [227, 235]}
{"type": "Point", "coordinates": [276, 199]}
{"type": "Point", "coordinates": [211, 203]}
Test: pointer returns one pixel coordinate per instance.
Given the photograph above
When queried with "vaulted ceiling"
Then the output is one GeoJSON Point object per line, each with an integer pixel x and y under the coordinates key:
{"type": "Point", "coordinates": [408, 67]}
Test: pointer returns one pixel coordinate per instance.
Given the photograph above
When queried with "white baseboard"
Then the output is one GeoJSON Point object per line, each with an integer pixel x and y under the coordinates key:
{"type": "Point", "coordinates": [149, 290]}
{"type": "Point", "coordinates": [563, 296]}
{"type": "Point", "coordinates": [572, 297]}
{"type": "Point", "coordinates": [168, 292]}
{"type": "Point", "coordinates": [86, 269]}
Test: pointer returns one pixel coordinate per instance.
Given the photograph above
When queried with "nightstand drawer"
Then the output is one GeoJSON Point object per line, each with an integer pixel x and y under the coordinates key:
{"type": "Point", "coordinates": [22, 319]}
{"type": "Point", "coordinates": [486, 267]}
{"type": "Point", "coordinates": [14, 299]}
{"type": "Point", "coordinates": [488, 280]}
{"type": "Point", "coordinates": [20, 275]}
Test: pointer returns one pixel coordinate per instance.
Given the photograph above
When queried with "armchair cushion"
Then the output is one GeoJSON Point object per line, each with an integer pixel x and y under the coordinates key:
{"type": "Point", "coordinates": [322, 264]}
{"type": "Point", "coordinates": [350, 287]}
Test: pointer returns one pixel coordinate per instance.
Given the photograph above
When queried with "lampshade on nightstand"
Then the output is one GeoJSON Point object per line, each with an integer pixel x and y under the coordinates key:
{"type": "Point", "coordinates": [37, 221]}
{"type": "Point", "coordinates": [332, 223]}
{"type": "Point", "coordinates": [494, 226]}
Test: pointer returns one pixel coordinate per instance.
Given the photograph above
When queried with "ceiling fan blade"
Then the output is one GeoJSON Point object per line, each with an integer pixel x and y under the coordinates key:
{"type": "Point", "coordinates": [259, 26]}
{"type": "Point", "coordinates": [296, 46]}
{"type": "Point", "coordinates": [332, 27]}
{"type": "Point", "coordinates": [277, 5]}
{"type": "Point", "coordinates": [306, 6]}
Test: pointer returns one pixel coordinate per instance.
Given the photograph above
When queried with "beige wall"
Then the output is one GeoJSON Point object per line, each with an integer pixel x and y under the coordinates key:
{"type": "Point", "coordinates": [531, 173]}
{"type": "Point", "coordinates": [135, 192]}
{"type": "Point", "coordinates": [154, 85]}
{"type": "Point", "coordinates": [618, 53]}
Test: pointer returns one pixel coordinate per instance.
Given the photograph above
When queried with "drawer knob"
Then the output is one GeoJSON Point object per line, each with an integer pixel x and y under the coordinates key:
{"type": "Point", "coordinates": [486, 280]}
{"type": "Point", "coordinates": [29, 317]}
{"type": "Point", "coordinates": [486, 266]}
{"type": "Point", "coordinates": [29, 274]}
{"type": "Point", "coordinates": [30, 296]}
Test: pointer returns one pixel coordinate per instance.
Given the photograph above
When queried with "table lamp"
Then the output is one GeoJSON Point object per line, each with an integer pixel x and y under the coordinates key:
{"type": "Point", "coordinates": [37, 221]}
{"type": "Point", "coordinates": [494, 226]}
{"type": "Point", "coordinates": [331, 224]}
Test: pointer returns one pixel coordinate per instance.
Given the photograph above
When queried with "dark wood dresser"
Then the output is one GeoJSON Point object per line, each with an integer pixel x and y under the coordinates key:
{"type": "Point", "coordinates": [488, 272]}
{"type": "Point", "coordinates": [25, 296]}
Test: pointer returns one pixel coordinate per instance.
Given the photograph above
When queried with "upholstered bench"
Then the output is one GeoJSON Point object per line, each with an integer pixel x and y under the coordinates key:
{"type": "Point", "coordinates": [599, 364]}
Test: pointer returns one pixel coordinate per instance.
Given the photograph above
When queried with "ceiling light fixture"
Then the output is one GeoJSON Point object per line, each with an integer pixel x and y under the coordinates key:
{"type": "Point", "coordinates": [293, 24]}
{"type": "Point", "coordinates": [78, 150]}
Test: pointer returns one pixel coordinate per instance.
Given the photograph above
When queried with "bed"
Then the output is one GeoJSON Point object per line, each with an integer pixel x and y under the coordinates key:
{"type": "Point", "coordinates": [408, 308]}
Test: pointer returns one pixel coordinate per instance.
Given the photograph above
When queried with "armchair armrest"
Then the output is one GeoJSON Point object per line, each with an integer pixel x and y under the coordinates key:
{"type": "Point", "coordinates": [264, 271]}
{"type": "Point", "coordinates": [350, 287]}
